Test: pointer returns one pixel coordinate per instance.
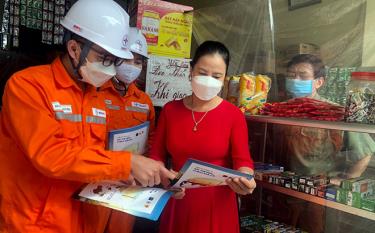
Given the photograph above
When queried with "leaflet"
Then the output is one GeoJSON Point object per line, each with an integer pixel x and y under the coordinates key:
{"type": "Point", "coordinates": [133, 139]}
{"type": "Point", "coordinates": [149, 202]}
{"type": "Point", "coordinates": [135, 200]}
{"type": "Point", "coordinates": [197, 174]}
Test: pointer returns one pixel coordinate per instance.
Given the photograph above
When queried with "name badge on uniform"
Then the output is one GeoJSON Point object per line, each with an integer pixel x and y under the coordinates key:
{"type": "Point", "coordinates": [56, 106]}
{"type": "Point", "coordinates": [66, 108]}
{"type": "Point", "coordinates": [139, 105]}
{"type": "Point", "coordinates": [98, 112]}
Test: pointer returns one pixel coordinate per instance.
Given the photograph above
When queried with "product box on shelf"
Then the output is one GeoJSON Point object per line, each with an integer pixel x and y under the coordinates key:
{"type": "Point", "coordinates": [348, 183]}
{"type": "Point", "coordinates": [315, 181]}
{"type": "Point", "coordinates": [341, 195]}
{"type": "Point", "coordinates": [331, 192]}
{"type": "Point", "coordinates": [167, 26]}
{"type": "Point", "coordinates": [368, 203]}
{"type": "Point", "coordinates": [321, 191]}
{"type": "Point", "coordinates": [364, 186]}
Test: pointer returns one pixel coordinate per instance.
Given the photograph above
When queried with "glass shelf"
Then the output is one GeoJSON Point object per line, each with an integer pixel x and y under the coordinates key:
{"type": "Point", "coordinates": [337, 125]}
{"type": "Point", "coordinates": [318, 200]}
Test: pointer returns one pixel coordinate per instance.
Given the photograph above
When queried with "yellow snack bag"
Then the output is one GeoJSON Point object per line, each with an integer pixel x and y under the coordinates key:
{"type": "Point", "coordinates": [247, 89]}
{"type": "Point", "coordinates": [263, 83]}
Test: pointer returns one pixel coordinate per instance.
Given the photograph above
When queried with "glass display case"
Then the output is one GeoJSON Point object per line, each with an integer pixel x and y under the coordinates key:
{"type": "Point", "coordinates": [337, 151]}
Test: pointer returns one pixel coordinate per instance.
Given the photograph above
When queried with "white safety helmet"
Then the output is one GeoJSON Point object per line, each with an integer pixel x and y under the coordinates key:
{"type": "Point", "coordinates": [102, 22]}
{"type": "Point", "coordinates": [137, 42]}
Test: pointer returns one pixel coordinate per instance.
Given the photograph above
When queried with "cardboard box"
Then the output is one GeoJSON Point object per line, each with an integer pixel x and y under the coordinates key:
{"type": "Point", "coordinates": [166, 26]}
{"type": "Point", "coordinates": [302, 48]}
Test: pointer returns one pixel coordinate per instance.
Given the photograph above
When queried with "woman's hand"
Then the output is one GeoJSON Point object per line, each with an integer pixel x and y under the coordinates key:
{"type": "Point", "coordinates": [178, 193]}
{"type": "Point", "coordinates": [242, 185]}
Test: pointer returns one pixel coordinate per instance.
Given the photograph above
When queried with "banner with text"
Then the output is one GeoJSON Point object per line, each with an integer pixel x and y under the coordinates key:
{"type": "Point", "coordinates": [167, 79]}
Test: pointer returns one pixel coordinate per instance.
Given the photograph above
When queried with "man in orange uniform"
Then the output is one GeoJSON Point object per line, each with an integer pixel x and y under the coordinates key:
{"type": "Point", "coordinates": [53, 129]}
{"type": "Point", "coordinates": [128, 107]}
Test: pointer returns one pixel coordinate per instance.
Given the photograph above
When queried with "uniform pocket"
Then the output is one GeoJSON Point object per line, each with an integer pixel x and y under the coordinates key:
{"type": "Point", "coordinates": [99, 131]}
{"type": "Point", "coordinates": [140, 116]}
{"type": "Point", "coordinates": [70, 129]}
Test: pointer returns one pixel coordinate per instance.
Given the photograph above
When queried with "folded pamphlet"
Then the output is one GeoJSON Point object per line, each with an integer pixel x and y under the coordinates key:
{"type": "Point", "coordinates": [148, 202]}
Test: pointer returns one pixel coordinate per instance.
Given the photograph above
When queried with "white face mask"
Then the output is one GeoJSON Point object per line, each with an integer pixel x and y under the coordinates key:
{"type": "Point", "coordinates": [96, 74]}
{"type": "Point", "coordinates": [127, 73]}
{"type": "Point", "coordinates": [206, 87]}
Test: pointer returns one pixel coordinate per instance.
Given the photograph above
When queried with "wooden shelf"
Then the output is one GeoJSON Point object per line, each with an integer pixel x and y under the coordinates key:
{"type": "Point", "coordinates": [338, 125]}
{"type": "Point", "coordinates": [318, 200]}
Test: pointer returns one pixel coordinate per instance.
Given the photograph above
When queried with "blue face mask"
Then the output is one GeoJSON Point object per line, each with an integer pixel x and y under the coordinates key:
{"type": "Point", "coordinates": [299, 88]}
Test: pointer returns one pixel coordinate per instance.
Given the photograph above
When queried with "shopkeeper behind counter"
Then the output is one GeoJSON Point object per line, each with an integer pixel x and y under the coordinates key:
{"type": "Point", "coordinates": [314, 151]}
{"type": "Point", "coordinates": [320, 151]}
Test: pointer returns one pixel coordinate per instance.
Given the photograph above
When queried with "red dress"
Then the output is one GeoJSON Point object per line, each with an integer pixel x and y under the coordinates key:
{"type": "Point", "coordinates": [221, 139]}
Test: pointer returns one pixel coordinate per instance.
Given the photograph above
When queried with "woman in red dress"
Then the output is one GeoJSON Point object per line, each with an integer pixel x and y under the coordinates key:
{"type": "Point", "coordinates": [203, 126]}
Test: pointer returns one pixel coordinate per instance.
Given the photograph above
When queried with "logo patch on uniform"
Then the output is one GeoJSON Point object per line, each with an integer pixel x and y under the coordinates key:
{"type": "Point", "coordinates": [98, 112]}
{"type": "Point", "coordinates": [56, 106]}
{"type": "Point", "coordinates": [66, 108]}
{"type": "Point", "coordinates": [139, 105]}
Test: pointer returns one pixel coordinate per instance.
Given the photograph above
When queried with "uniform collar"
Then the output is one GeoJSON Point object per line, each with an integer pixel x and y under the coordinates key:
{"type": "Point", "coordinates": [61, 75]}
{"type": "Point", "coordinates": [131, 90]}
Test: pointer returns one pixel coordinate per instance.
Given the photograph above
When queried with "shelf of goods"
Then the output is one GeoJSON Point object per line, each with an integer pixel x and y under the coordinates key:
{"type": "Point", "coordinates": [318, 200]}
{"type": "Point", "coordinates": [337, 125]}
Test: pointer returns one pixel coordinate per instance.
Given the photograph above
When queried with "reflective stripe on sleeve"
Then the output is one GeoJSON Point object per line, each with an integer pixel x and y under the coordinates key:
{"type": "Point", "coordinates": [96, 120]}
{"type": "Point", "coordinates": [68, 116]}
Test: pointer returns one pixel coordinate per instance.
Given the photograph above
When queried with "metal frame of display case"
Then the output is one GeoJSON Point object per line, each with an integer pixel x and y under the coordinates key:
{"type": "Point", "coordinates": [356, 127]}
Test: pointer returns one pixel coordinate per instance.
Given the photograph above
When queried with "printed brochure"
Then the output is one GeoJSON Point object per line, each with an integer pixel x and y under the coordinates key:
{"type": "Point", "coordinates": [135, 200]}
{"type": "Point", "coordinates": [196, 174]}
{"type": "Point", "coordinates": [133, 139]}
{"type": "Point", "coordinates": [149, 202]}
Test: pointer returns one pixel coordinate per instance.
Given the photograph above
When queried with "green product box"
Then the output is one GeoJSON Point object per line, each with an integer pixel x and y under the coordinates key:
{"type": "Point", "coordinates": [368, 203]}
{"type": "Point", "coordinates": [348, 184]}
{"type": "Point", "coordinates": [365, 187]}
{"type": "Point", "coordinates": [341, 196]}
{"type": "Point", "coordinates": [354, 199]}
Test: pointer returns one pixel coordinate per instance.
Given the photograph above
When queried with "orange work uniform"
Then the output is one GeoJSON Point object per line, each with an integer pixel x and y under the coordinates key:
{"type": "Point", "coordinates": [52, 142]}
{"type": "Point", "coordinates": [132, 109]}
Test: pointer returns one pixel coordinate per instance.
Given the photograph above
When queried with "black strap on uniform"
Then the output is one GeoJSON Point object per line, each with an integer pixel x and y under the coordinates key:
{"type": "Point", "coordinates": [85, 50]}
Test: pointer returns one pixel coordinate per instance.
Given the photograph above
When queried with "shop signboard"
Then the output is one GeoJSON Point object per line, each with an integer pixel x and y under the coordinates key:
{"type": "Point", "coordinates": [167, 79]}
{"type": "Point", "coordinates": [166, 26]}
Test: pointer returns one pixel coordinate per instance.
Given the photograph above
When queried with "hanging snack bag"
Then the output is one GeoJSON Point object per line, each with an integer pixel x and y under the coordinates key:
{"type": "Point", "coordinates": [233, 90]}
{"type": "Point", "coordinates": [247, 89]}
{"type": "Point", "coordinates": [257, 101]}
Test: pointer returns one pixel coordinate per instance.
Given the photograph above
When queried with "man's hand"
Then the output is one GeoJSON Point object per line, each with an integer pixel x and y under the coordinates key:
{"type": "Point", "coordinates": [148, 172]}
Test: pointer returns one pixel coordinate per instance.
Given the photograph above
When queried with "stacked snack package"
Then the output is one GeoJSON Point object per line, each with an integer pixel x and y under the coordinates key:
{"type": "Point", "coordinates": [360, 106]}
{"type": "Point", "coordinates": [305, 108]}
{"type": "Point", "coordinates": [336, 84]}
{"type": "Point", "coordinates": [247, 91]}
